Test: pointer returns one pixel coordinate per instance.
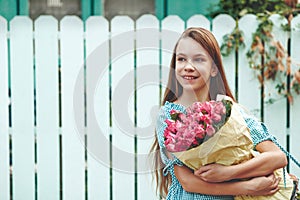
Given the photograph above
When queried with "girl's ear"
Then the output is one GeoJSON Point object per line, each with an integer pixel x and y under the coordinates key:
{"type": "Point", "coordinates": [214, 71]}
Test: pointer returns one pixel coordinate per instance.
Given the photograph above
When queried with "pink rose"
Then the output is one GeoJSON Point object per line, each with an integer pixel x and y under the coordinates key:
{"type": "Point", "coordinates": [210, 130]}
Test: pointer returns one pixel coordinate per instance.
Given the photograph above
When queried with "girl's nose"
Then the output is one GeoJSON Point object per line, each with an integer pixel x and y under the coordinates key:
{"type": "Point", "coordinates": [189, 67]}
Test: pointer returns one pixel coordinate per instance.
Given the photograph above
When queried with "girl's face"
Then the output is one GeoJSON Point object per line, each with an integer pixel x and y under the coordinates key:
{"type": "Point", "coordinates": [194, 66]}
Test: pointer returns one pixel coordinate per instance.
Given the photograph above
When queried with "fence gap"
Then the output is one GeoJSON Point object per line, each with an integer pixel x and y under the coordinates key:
{"type": "Point", "coordinates": [262, 83]}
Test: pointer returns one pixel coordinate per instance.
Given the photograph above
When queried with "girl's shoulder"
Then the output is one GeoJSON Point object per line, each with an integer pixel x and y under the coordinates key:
{"type": "Point", "coordinates": [258, 130]}
{"type": "Point", "coordinates": [168, 106]}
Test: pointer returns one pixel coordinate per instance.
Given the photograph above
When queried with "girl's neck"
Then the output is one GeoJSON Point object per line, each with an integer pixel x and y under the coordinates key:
{"type": "Point", "coordinates": [187, 99]}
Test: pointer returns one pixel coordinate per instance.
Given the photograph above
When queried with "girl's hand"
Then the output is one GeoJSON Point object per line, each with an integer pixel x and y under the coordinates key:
{"type": "Point", "coordinates": [214, 173]}
{"type": "Point", "coordinates": [264, 185]}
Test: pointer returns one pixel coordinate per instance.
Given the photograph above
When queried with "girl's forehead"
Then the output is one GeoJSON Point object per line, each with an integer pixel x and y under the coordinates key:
{"type": "Point", "coordinates": [189, 46]}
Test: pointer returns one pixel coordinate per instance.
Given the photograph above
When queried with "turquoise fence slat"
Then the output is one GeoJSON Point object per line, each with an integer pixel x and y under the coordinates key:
{"type": "Point", "coordinates": [97, 98]}
{"type": "Point", "coordinates": [198, 21]}
{"type": "Point", "coordinates": [84, 98]}
{"type": "Point", "coordinates": [47, 107]}
{"type": "Point", "coordinates": [22, 112]}
{"type": "Point", "coordinates": [171, 28]}
{"type": "Point", "coordinates": [278, 108]}
{"type": "Point", "coordinates": [247, 78]}
{"type": "Point", "coordinates": [123, 115]}
{"type": "Point", "coordinates": [4, 101]}
{"type": "Point", "coordinates": [147, 98]}
{"type": "Point", "coordinates": [222, 25]}
{"type": "Point", "coordinates": [72, 88]}
{"type": "Point", "coordinates": [295, 107]}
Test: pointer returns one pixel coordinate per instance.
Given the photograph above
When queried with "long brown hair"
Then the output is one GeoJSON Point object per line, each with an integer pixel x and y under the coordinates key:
{"type": "Point", "coordinates": [218, 85]}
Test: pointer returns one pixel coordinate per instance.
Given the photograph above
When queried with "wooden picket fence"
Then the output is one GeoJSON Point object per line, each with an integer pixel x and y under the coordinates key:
{"type": "Point", "coordinates": [78, 101]}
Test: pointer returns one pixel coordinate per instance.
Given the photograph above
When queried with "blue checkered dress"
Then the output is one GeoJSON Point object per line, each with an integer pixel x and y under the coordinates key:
{"type": "Point", "coordinates": [258, 132]}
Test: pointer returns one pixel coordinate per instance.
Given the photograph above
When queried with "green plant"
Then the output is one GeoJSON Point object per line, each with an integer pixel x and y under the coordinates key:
{"type": "Point", "coordinates": [232, 42]}
{"type": "Point", "coordinates": [266, 55]}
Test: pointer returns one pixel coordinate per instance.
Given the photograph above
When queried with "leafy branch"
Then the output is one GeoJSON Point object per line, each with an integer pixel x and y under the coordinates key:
{"type": "Point", "coordinates": [266, 56]}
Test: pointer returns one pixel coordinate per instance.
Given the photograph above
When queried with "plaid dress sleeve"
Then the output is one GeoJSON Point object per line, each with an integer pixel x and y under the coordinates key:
{"type": "Point", "coordinates": [164, 113]}
{"type": "Point", "coordinates": [259, 133]}
{"type": "Point", "coordinates": [258, 130]}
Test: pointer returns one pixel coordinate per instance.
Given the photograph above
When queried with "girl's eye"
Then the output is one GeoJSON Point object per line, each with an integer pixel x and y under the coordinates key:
{"type": "Point", "coordinates": [181, 59]}
{"type": "Point", "coordinates": [199, 59]}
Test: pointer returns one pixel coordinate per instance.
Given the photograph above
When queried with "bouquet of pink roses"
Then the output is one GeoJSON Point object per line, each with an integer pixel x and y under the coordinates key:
{"type": "Point", "coordinates": [201, 121]}
{"type": "Point", "coordinates": [215, 132]}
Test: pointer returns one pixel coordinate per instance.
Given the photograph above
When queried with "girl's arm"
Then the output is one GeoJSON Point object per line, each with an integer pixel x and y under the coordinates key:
{"type": "Point", "coordinates": [269, 159]}
{"type": "Point", "coordinates": [257, 186]}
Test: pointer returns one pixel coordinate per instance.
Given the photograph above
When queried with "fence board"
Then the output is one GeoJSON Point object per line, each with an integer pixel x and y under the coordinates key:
{"type": "Point", "coordinates": [97, 90]}
{"type": "Point", "coordinates": [22, 96]}
{"type": "Point", "coordinates": [147, 89]}
{"type": "Point", "coordinates": [47, 108]}
{"type": "Point", "coordinates": [171, 29]}
{"type": "Point", "coordinates": [198, 21]}
{"type": "Point", "coordinates": [72, 88]}
{"type": "Point", "coordinates": [294, 134]}
{"type": "Point", "coordinates": [295, 107]}
{"type": "Point", "coordinates": [248, 85]}
{"type": "Point", "coordinates": [222, 25]}
{"type": "Point", "coordinates": [276, 113]}
{"type": "Point", "coordinates": [122, 77]}
{"type": "Point", "coordinates": [4, 136]}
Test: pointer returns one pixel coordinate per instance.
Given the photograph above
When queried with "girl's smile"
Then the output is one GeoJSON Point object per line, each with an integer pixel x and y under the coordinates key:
{"type": "Point", "coordinates": [189, 77]}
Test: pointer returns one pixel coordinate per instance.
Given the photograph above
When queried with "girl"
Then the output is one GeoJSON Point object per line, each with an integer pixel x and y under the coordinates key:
{"type": "Point", "coordinates": [197, 74]}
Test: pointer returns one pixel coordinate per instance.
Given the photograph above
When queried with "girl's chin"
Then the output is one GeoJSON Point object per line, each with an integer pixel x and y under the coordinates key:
{"type": "Point", "coordinates": [193, 88]}
{"type": "Point", "coordinates": [189, 88]}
